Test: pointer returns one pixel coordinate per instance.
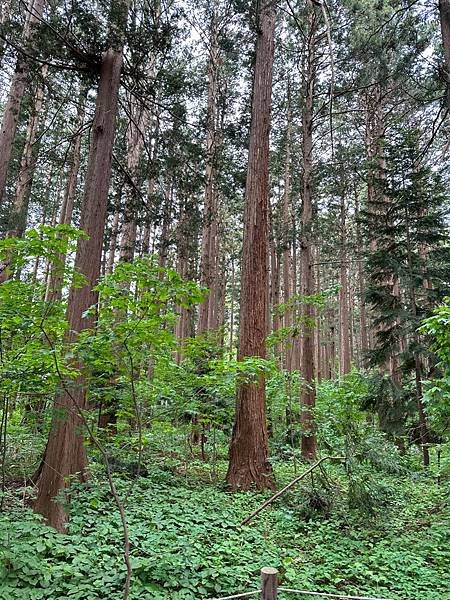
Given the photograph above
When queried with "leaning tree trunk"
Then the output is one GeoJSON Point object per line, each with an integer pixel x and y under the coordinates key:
{"type": "Point", "coordinates": [308, 392]}
{"type": "Point", "coordinates": [249, 445]}
{"type": "Point", "coordinates": [65, 454]}
{"type": "Point", "coordinates": [35, 10]}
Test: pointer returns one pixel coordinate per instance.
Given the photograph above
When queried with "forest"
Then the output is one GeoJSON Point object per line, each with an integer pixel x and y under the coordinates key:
{"type": "Point", "coordinates": [224, 299]}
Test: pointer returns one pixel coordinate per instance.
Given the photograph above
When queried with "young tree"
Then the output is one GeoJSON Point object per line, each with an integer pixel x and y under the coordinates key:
{"type": "Point", "coordinates": [412, 250]}
{"type": "Point", "coordinates": [248, 463]}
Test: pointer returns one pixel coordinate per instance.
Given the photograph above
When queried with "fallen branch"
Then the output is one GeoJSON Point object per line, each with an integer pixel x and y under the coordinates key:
{"type": "Point", "coordinates": [289, 486]}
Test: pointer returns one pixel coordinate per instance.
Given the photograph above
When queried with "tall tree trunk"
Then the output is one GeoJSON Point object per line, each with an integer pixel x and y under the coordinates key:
{"type": "Point", "coordinates": [208, 258]}
{"type": "Point", "coordinates": [444, 14]}
{"type": "Point", "coordinates": [232, 294]}
{"type": "Point", "coordinates": [295, 350]}
{"type": "Point", "coordinates": [65, 454]}
{"type": "Point", "coordinates": [308, 392]}
{"type": "Point", "coordinates": [187, 247]}
{"type": "Point", "coordinates": [361, 291]}
{"type": "Point", "coordinates": [164, 240]}
{"type": "Point", "coordinates": [345, 362]}
{"type": "Point", "coordinates": [111, 256]}
{"type": "Point", "coordinates": [249, 445]}
{"type": "Point", "coordinates": [18, 218]}
{"type": "Point", "coordinates": [287, 236]}
{"type": "Point", "coordinates": [418, 361]}
{"type": "Point", "coordinates": [54, 288]}
{"type": "Point", "coordinates": [140, 118]}
{"type": "Point", "coordinates": [5, 11]}
{"type": "Point", "coordinates": [318, 340]}
{"type": "Point", "coordinates": [35, 10]}
{"type": "Point", "coordinates": [273, 317]}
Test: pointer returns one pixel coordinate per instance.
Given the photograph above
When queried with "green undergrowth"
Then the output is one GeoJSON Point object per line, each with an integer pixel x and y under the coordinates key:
{"type": "Point", "coordinates": [187, 543]}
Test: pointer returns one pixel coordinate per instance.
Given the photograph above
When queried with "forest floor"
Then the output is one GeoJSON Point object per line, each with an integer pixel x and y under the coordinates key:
{"type": "Point", "coordinates": [187, 541]}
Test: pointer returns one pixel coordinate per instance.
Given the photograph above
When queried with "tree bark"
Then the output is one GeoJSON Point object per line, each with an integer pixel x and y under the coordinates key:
{"type": "Point", "coordinates": [138, 124]}
{"type": "Point", "coordinates": [345, 362]}
{"type": "Point", "coordinates": [308, 392]}
{"type": "Point", "coordinates": [114, 234]}
{"type": "Point", "coordinates": [361, 292]}
{"type": "Point", "coordinates": [248, 463]}
{"type": "Point", "coordinates": [54, 287]}
{"type": "Point", "coordinates": [18, 218]}
{"type": "Point", "coordinates": [286, 236]}
{"type": "Point", "coordinates": [35, 10]}
{"type": "Point", "coordinates": [65, 454]}
{"type": "Point", "coordinates": [444, 14]}
{"type": "Point", "coordinates": [208, 258]}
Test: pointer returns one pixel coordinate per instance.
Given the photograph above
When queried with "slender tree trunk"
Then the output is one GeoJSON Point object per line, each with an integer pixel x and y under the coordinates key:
{"type": "Point", "coordinates": [164, 241]}
{"type": "Point", "coordinates": [361, 291]}
{"type": "Point", "coordinates": [5, 11]}
{"type": "Point", "coordinates": [296, 350]}
{"type": "Point", "coordinates": [444, 14]}
{"type": "Point", "coordinates": [318, 332]}
{"type": "Point", "coordinates": [114, 233]}
{"type": "Point", "coordinates": [418, 368]}
{"type": "Point", "coordinates": [18, 218]}
{"type": "Point", "coordinates": [345, 362]}
{"type": "Point", "coordinates": [187, 247]}
{"type": "Point", "coordinates": [54, 288]}
{"type": "Point", "coordinates": [287, 236]}
{"type": "Point", "coordinates": [232, 293]}
{"type": "Point", "coordinates": [35, 10]}
{"type": "Point", "coordinates": [208, 258]}
{"type": "Point", "coordinates": [137, 127]}
{"type": "Point", "coordinates": [308, 392]}
{"type": "Point", "coordinates": [249, 445]}
{"type": "Point", "coordinates": [273, 317]}
{"type": "Point", "coordinates": [65, 454]}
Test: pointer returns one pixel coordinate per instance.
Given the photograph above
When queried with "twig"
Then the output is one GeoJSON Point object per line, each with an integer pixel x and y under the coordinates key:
{"type": "Point", "coordinates": [289, 486]}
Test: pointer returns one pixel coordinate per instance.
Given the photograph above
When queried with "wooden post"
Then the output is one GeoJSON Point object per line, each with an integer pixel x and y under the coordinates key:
{"type": "Point", "coordinates": [269, 583]}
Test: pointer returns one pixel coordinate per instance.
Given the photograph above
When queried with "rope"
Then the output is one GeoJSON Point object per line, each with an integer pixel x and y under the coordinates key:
{"type": "Point", "coordinates": [304, 592]}
{"type": "Point", "coordinates": [244, 595]}
{"type": "Point", "coordinates": [325, 595]}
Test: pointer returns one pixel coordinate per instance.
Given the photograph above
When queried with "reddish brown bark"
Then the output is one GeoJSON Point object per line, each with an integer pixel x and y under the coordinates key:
{"type": "Point", "coordinates": [65, 453]}
{"type": "Point", "coordinates": [249, 445]}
